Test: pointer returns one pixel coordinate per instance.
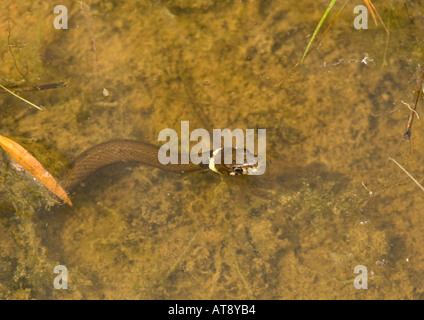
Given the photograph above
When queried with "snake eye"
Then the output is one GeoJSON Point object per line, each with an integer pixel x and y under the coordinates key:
{"type": "Point", "coordinates": [238, 171]}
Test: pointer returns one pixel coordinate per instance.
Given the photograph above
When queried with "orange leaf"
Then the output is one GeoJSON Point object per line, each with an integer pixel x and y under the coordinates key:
{"type": "Point", "coordinates": [33, 166]}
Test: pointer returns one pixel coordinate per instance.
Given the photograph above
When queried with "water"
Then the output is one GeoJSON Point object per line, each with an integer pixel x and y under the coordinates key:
{"type": "Point", "coordinates": [296, 232]}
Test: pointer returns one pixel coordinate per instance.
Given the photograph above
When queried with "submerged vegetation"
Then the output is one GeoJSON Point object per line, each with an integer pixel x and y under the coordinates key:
{"type": "Point", "coordinates": [330, 199]}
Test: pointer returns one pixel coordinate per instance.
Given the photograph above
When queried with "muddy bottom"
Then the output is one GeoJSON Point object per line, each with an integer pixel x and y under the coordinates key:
{"type": "Point", "coordinates": [329, 201]}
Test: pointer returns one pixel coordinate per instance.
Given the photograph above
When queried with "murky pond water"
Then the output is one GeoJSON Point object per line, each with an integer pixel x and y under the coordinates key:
{"type": "Point", "coordinates": [330, 199]}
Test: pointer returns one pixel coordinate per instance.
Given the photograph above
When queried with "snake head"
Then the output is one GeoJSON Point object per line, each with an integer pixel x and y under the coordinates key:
{"type": "Point", "coordinates": [233, 161]}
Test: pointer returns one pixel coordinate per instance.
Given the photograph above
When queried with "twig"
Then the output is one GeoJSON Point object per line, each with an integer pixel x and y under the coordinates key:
{"type": "Point", "coordinates": [409, 107]}
{"type": "Point", "coordinates": [408, 131]}
{"type": "Point", "coordinates": [36, 88]}
{"type": "Point", "coordinates": [409, 175]}
{"type": "Point", "coordinates": [19, 97]}
{"type": "Point", "coordinates": [372, 9]}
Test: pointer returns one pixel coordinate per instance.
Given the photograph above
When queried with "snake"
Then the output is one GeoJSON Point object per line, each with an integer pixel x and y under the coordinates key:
{"type": "Point", "coordinates": [107, 153]}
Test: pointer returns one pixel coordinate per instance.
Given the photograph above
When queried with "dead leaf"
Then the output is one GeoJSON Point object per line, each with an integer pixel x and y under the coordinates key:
{"type": "Point", "coordinates": [33, 166]}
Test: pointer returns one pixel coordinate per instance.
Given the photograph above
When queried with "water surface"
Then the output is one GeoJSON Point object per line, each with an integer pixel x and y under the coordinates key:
{"type": "Point", "coordinates": [330, 199]}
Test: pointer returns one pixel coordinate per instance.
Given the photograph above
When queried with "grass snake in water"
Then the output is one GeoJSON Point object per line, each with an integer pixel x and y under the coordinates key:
{"type": "Point", "coordinates": [122, 150]}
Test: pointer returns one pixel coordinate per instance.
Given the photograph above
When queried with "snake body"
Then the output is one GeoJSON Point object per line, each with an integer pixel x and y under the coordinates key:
{"type": "Point", "coordinates": [116, 151]}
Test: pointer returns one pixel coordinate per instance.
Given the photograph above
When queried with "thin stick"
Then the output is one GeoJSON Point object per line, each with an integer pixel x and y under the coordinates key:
{"type": "Point", "coordinates": [408, 131]}
{"type": "Point", "coordinates": [409, 107]}
{"type": "Point", "coordinates": [372, 9]}
{"type": "Point", "coordinates": [92, 37]}
{"type": "Point", "coordinates": [409, 175]}
{"type": "Point", "coordinates": [36, 88]}
{"type": "Point", "coordinates": [19, 97]}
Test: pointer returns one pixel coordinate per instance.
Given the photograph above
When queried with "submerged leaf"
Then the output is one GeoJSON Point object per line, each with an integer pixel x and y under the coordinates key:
{"type": "Point", "coordinates": [33, 166]}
